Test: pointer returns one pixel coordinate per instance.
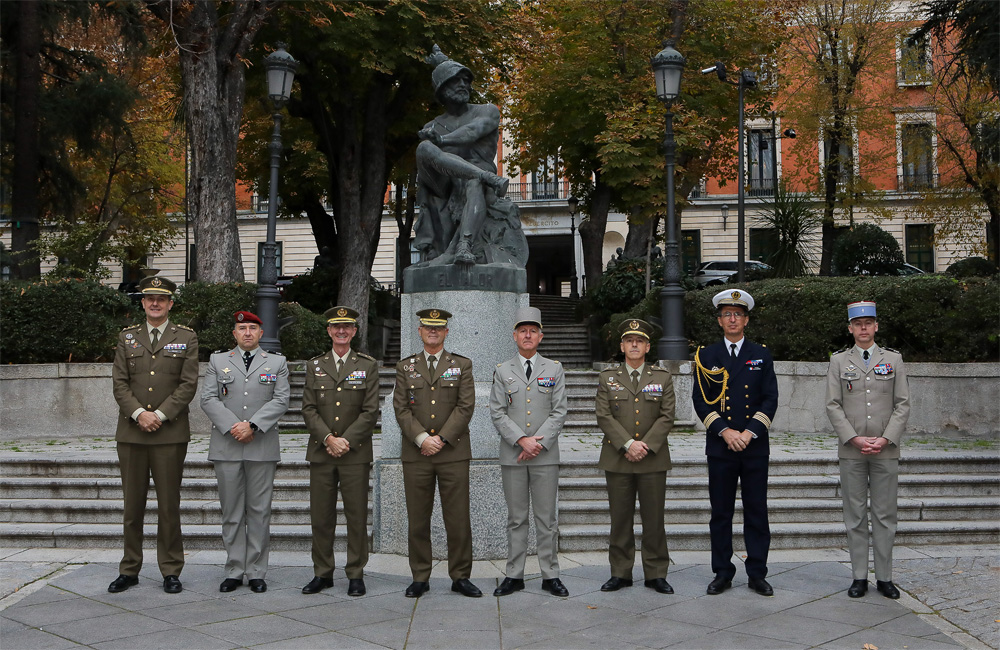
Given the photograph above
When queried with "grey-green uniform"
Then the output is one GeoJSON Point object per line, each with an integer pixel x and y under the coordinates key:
{"type": "Point", "coordinates": [641, 412]}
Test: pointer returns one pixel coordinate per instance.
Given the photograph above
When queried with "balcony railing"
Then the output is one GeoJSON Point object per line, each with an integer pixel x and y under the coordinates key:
{"type": "Point", "coordinates": [538, 191]}
{"type": "Point", "coordinates": [916, 182]}
{"type": "Point", "coordinates": [759, 187]}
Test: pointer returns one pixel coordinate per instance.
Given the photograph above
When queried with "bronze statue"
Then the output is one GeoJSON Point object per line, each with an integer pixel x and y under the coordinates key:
{"type": "Point", "coordinates": [464, 217]}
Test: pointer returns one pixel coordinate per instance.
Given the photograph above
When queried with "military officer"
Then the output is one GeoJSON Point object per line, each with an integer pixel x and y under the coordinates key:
{"type": "Point", "coordinates": [244, 394]}
{"type": "Point", "coordinates": [528, 407]}
{"type": "Point", "coordinates": [735, 394]}
{"type": "Point", "coordinates": [868, 403]}
{"type": "Point", "coordinates": [434, 398]}
{"type": "Point", "coordinates": [635, 410]}
{"type": "Point", "coordinates": [154, 379]}
{"type": "Point", "coordinates": [340, 405]}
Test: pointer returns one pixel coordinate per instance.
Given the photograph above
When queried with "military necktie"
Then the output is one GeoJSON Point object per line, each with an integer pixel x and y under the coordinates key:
{"type": "Point", "coordinates": [431, 364]}
{"type": "Point", "coordinates": [340, 368]}
{"type": "Point", "coordinates": [635, 381]}
{"type": "Point", "coordinates": [732, 351]}
{"type": "Point", "coordinates": [527, 369]}
{"type": "Point", "coordinates": [866, 356]}
{"type": "Point", "coordinates": [156, 337]}
{"type": "Point", "coordinates": [247, 358]}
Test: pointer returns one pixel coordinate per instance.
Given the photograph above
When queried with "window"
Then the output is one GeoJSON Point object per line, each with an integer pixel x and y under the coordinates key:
{"type": "Point", "coordinates": [914, 61]}
{"type": "Point", "coordinates": [760, 162]}
{"type": "Point", "coordinates": [843, 157]}
{"type": "Point", "coordinates": [920, 246]}
{"type": "Point", "coordinates": [988, 139]}
{"type": "Point", "coordinates": [545, 180]}
{"type": "Point", "coordinates": [414, 253]}
{"type": "Point", "coordinates": [917, 157]}
{"type": "Point", "coordinates": [260, 258]}
{"type": "Point", "coordinates": [690, 250]}
{"type": "Point", "coordinates": [763, 243]}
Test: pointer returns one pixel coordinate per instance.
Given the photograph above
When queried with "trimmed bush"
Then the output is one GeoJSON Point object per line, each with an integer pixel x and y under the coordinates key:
{"type": "Point", "coordinates": [972, 267]}
{"type": "Point", "coordinates": [208, 309]}
{"type": "Point", "coordinates": [61, 320]}
{"type": "Point", "coordinates": [866, 249]}
{"type": "Point", "coordinates": [305, 337]}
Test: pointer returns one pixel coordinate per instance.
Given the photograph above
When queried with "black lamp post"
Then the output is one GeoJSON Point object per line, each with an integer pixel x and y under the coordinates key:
{"type": "Point", "coordinates": [280, 74]}
{"type": "Point", "coordinates": [668, 65]}
{"type": "Point", "coordinates": [574, 289]}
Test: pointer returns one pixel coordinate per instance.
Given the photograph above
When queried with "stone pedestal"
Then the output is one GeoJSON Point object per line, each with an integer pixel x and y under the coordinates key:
{"type": "Point", "coordinates": [480, 329]}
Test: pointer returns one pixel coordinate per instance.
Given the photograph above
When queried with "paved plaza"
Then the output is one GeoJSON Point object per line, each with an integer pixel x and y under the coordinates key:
{"type": "Point", "coordinates": [57, 598]}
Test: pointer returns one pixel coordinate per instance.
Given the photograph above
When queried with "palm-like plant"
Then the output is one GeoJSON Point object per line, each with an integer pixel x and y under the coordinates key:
{"type": "Point", "coordinates": [796, 225]}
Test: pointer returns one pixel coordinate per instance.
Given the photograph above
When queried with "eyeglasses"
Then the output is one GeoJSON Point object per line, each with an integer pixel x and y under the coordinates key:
{"type": "Point", "coordinates": [728, 315]}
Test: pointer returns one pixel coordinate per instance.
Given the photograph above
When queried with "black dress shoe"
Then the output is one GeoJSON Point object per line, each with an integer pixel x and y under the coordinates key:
{"type": "Point", "coordinates": [760, 586]}
{"type": "Point", "coordinates": [555, 587]}
{"type": "Point", "coordinates": [257, 585]}
{"type": "Point", "coordinates": [356, 587]}
{"type": "Point", "coordinates": [509, 586]}
{"type": "Point", "coordinates": [718, 585]}
{"type": "Point", "coordinates": [661, 585]}
{"type": "Point", "coordinates": [230, 584]}
{"type": "Point", "coordinates": [122, 582]}
{"type": "Point", "coordinates": [172, 585]}
{"type": "Point", "coordinates": [417, 589]}
{"type": "Point", "coordinates": [317, 585]}
{"type": "Point", "coordinates": [887, 589]}
{"type": "Point", "coordinates": [466, 588]}
{"type": "Point", "coordinates": [858, 589]}
{"type": "Point", "coordinates": [614, 584]}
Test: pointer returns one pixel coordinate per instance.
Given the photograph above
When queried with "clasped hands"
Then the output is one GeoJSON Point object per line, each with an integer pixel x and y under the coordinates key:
{"type": "Point", "coordinates": [736, 440]}
{"type": "Point", "coordinates": [530, 447]}
{"type": "Point", "coordinates": [869, 445]}
{"type": "Point", "coordinates": [336, 447]}
{"type": "Point", "coordinates": [431, 445]}
{"type": "Point", "coordinates": [148, 421]}
{"type": "Point", "coordinates": [241, 432]}
{"type": "Point", "coordinates": [636, 451]}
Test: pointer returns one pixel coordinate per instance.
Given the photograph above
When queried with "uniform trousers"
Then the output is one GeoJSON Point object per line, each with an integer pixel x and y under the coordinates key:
{"type": "Point", "coordinates": [623, 488]}
{"type": "Point", "coordinates": [540, 485]}
{"type": "Point", "coordinates": [324, 478]}
{"type": "Point", "coordinates": [858, 478]}
{"type": "Point", "coordinates": [452, 479]}
{"type": "Point", "coordinates": [245, 488]}
{"type": "Point", "coordinates": [165, 463]}
{"type": "Point", "coordinates": [723, 475]}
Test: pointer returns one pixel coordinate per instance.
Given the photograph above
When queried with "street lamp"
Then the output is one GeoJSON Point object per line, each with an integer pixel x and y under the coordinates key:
{"type": "Point", "coordinates": [280, 74]}
{"type": "Point", "coordinates": [573, 202]}
{"type": "Point", "coordinates": [668, 65]}
{"type": "Point", "coordinates": [747, 80]}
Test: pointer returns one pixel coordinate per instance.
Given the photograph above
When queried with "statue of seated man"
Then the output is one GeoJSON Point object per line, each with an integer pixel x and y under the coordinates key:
{"type": "Point", "coordinates": [456, 173]}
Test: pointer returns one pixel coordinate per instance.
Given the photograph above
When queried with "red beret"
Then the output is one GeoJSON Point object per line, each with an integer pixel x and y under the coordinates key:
{"type": "Point", "coordinates": [247, 317]}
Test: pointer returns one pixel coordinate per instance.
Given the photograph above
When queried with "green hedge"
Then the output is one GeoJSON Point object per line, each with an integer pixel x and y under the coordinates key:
{"type": "Point", "coordinates": [61, 320]}
{"type": "Point", "coordinates": [925, 317]}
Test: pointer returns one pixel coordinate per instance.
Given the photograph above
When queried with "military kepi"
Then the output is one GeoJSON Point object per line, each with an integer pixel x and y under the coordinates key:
{"type": "Point", "coordinates": [247, 317]}
{"type": "Point", "coordinates": [862, 309]}
{"type": "Point", "coordinates": [736, 297]}
{"type": "Point", "coordinates": [433, 317]}
{"type": "Point", "coordinates": [528, 316]}
{"type": "Point", "coordinates": [341, 315]}
{"type": "Point", "coordinates": [634, 326]}
{"type": "Point", "coordinates": [156, 286]}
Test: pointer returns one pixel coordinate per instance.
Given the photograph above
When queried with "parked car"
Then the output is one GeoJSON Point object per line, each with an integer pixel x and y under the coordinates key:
{"type": "Point", "coordinates": [902, 269]}
{"type": "Point", "coordinates": [710, 274]}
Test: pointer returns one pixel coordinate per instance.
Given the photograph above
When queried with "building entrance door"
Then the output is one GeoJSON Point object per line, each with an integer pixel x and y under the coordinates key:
{"type": "Point", "coordinates": [550, 264]}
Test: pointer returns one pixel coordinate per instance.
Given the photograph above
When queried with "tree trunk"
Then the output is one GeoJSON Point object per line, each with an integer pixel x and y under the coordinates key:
{"type": "Point", "coordinates": [25, 264]}
{"type": "Point", "coordinates": [637, 239]}
{"type": "Point", "coordinates": [592, 233]}
{"type": "Point", "coordinates": [213, 74]}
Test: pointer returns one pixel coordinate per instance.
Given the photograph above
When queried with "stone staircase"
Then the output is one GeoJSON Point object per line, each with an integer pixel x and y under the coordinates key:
{"type": "Point", "coordinates": [944, 498]}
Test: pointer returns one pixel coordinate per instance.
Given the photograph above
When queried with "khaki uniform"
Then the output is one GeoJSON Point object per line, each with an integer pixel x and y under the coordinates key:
{"type": "Point", "coordinates": [343, 404]}
{"type": "Point", "coordinates": [442, 405]}
{"type": "Point", "coordinates": [164, 378]}
{"type": "Point", "coordinates": [868, 401]}
{"type": "Point", "coordinates": [645, 414]}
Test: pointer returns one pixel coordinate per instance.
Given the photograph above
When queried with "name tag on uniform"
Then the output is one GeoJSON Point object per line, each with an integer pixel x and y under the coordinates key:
{"type": "Point", "coordinates": [451, 373]}
{"type": "Point", "coordinates": [357, 374]}
{"type": "Point", "coordinates": [547, 382]}
{"type": "Point", "coordinates": [267, 378]}
{"type": "Point", "coordinates": [175, 347]}
{"type": "Point", "coordinates": [653, 389]}
{"type": "Point", "coordinates": [883, 369]}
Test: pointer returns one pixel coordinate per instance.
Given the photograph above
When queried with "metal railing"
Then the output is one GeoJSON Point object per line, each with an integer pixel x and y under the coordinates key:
{"type": "Point", "coordinates": [916, 182]}
{"type": "Point", "coordinates": [759, 187]}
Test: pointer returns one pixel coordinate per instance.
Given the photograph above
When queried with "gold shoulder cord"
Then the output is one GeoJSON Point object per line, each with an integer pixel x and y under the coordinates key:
{"type": "Point", "coordinates": [702, 373]}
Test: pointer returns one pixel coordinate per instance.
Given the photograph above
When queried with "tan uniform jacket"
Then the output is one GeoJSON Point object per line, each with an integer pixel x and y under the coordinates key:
{"type": "Point", "coordinates": [345, 405]}
{"type": "Point", "coordinates": [646, 415]}
{"type": "Point", "coordinates": [164, 379]}
{"type": "Point", "coordinates": [440, 405]}
{"type": "Point", "coordinates": [871, 403]}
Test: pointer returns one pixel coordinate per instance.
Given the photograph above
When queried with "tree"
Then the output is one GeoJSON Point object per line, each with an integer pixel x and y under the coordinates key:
{"type": "Point", "coordinates": [794, 223]}
{"type": "Point", "coordinates": [836, 86]}
{"type": "Point", "coordinates": [583, 94]}
{"type": "Point", "coordinates": [212, 40]}
{"type": "Point", "coordinates": [60, 94]}
{"type": "Point", "coordinates": [965, 91]}
{"type": "Point", "coordinates": [866, 249]}
{"type": "Point", "coordinates": [364, 90]}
